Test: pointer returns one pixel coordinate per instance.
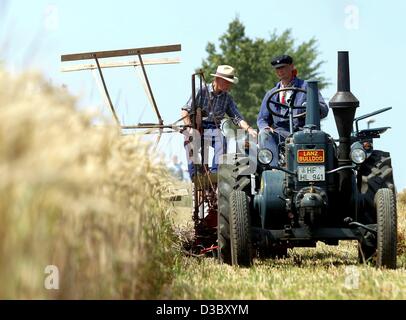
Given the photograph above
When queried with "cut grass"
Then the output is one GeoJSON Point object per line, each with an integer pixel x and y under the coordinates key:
{"type": "Point", "coordinates": [321, 273]}
{"type": "Point", "coordinates": [325, 272]}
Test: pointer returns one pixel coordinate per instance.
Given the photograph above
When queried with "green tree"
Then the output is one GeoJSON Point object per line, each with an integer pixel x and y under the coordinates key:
{"type": "Point", "coordinates": [252, 60]}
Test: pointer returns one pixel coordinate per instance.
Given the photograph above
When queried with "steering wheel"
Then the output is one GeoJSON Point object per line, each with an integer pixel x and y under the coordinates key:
{"type": "Point", "coordinates": [284, 105]}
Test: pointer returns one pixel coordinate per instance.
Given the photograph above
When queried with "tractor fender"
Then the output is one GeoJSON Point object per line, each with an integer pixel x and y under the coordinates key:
{"type": "Point", "coordinates": [269, 201]}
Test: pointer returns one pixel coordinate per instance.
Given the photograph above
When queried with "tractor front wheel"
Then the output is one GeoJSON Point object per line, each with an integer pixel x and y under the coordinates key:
{"type": "Point", "coordinates": [230, 177]}
{"type": "Point", "coordinates": [241, 249]}
{"type": "Point", "coordinates": [381, 250]}
{"type": "Point", "coordinates": [387, 228]}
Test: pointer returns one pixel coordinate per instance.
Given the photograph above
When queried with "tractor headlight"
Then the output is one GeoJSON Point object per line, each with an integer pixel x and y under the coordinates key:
{"type": "Point", "coordinates": [358, 156]}
{"type": "Point", "coordinates": [265, 156]}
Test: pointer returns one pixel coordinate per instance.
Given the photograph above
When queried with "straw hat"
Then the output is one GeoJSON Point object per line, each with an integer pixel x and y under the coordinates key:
{"type": "Point", "coordinates": [227, 73]}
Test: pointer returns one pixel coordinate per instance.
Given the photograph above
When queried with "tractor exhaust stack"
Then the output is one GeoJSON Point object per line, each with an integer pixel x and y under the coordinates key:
{"type": "Point", "coordinates": [344, 104]}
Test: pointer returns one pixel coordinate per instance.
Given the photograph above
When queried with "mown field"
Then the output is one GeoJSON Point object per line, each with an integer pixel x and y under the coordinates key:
{"type": "Point", "coordinates": [325, 272]}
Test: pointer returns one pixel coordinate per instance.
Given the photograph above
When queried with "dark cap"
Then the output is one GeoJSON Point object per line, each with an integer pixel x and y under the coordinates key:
{"type": "Point", "coordinates": [281, 61]}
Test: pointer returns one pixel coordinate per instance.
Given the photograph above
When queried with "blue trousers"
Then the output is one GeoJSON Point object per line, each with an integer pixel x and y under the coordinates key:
{"type": "Point", "coordinates": [212, 137]}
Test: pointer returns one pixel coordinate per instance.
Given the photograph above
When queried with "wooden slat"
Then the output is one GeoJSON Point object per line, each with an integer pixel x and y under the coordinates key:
{"type": "Point", "coordinates": [119, 53]}
{"type": "Point", "coordinates": [120, 64]}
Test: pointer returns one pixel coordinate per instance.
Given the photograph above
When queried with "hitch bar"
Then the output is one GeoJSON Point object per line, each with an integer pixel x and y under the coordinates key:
{"type": "Point", "coordinates": [352, 223]}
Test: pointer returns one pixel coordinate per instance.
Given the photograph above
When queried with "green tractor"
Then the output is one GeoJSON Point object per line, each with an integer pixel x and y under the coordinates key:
{"type": "Point", "coordinates": [322, 191]}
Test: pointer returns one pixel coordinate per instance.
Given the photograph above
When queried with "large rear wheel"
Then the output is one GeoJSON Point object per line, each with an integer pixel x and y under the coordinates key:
{"type": "Point", "coordinates": [375, 173]}
{"type": "Point", "coordinates": [241, 249]}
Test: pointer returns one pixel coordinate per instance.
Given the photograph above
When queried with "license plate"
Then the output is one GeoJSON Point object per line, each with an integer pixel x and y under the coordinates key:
{"type": "Point", "coordinates": [310, 156]}
{"type": "Point", "coordinates": [311, 173]}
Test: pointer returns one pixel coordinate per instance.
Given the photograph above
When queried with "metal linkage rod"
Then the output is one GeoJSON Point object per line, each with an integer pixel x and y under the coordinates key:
{"type": "Point", "coordinates": [150, 90]}
{"type": "Point", "coordinates": [106, 91]}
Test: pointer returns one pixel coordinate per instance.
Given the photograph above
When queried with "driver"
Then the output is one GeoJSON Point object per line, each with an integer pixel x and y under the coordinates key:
{"type": "Point", "coordinates": [273, 129]}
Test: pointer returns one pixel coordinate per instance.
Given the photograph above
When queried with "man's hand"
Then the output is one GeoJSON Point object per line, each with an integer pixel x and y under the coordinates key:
{"type": "Point", "coordinates": [188, 133]}
{"type": "Point", "coordinates": [252, 132]}
{"type": "Point", "coordinates": [244, 125]}
{"type": "Point", "coordinates": [269, 129]}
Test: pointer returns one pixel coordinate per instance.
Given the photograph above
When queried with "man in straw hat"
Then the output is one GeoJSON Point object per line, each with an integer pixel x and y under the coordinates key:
{"type": "Point", "coordinates": [216, 102]}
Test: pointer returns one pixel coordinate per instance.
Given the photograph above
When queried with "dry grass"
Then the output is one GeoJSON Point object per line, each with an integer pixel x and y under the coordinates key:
{"type": "Point", "coordinates": [401, 206]}
{"type": "Point", "coordinates": [315, 274]}
{"type": "Point", "coordinates": [84, 199]}
{"type": "Point", "coordinates": [323, 273]}
{"type": "Point", "coordinates": [402, 198]}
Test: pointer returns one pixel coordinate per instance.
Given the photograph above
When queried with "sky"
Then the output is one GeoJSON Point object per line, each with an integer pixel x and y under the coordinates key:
{"type": "Point", "coordinates": [34, 34]}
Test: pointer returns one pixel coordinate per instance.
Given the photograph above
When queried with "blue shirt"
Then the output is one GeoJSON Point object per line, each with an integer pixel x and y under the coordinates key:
{"type": "Point", "coordinates": [215, 106]}
{"type": "Point", "coordinates": [265, 119]}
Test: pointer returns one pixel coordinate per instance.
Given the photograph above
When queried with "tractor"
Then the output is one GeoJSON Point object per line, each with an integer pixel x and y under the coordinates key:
{"type": "Point", "coordinates": [323, 189]}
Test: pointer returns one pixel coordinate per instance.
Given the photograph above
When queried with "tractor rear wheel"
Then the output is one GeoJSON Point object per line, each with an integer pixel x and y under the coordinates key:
{"type": "Point", "coordinates": [241, 249]}
{"type": "Point", "coordinates": [230, 177]}
{"type": "Point", "coordinates": [374, 174]}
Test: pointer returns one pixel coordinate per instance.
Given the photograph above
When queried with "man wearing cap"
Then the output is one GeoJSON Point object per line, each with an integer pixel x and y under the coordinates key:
{"type": "Point", "coordinates": [273, 129]}
{"type": "Point", "coordinates": [215, 102]}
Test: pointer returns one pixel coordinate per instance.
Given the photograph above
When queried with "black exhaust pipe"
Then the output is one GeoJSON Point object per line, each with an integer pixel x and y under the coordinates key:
{"type": "Point", "coordinates": [344, 105]}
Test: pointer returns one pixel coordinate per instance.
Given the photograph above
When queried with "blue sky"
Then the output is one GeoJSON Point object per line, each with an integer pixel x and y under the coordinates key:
{"type": "Point", "coordinates": [33, 34]}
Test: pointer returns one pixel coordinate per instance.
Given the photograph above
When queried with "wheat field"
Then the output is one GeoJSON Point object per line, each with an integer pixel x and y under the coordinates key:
{"type": "Point", "coordinates": [79, 197]}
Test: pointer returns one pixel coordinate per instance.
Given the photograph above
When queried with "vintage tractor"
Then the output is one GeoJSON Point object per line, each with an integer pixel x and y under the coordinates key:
{"type": "Point", "coordinates": [321, 192]}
